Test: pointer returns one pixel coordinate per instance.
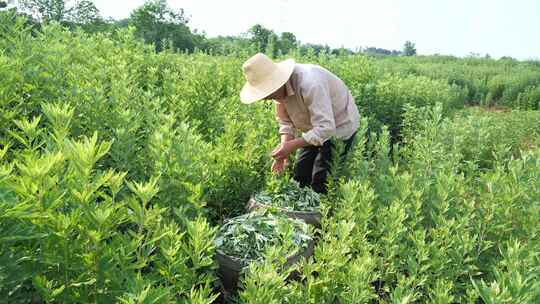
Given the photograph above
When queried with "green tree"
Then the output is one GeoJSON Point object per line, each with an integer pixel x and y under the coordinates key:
{"type": "Point", "coordinates": [228, 44]}
{"type": "Point", "coordinates": [287, 42]}
{"type": "Point", "coordinates": [272, 47]}
{"type": "Point", "coordinates": [316, 49]}
{"type": "Point", "coordinates": [157, 23]}
{"type": "Point", "coordinates": [45, 10]}
{"type": "Point", "coordinates": [81, 12]}
{"type": "Point", "coordinates": [84, 12]}
{"type": "Point", "coordinates": [409, 49]}
{"type": "Point", "coordinates": [260, 36]}
{"type": "Point", "coordinates": [375, 51]}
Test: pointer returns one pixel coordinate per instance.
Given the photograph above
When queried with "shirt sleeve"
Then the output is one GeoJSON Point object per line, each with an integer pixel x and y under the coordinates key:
{"type": "Point", "coordinates": [285, 123]}
{"type": "Point", "coordinates": [319, 104]}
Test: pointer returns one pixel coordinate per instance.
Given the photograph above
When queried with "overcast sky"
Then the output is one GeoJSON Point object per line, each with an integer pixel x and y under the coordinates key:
{"type": "Point", "coordinates": [457, 27]}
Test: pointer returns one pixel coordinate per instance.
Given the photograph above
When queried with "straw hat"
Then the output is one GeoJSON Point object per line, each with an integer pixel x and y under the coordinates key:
{"type": "Point", "coordinates": [264, 77]}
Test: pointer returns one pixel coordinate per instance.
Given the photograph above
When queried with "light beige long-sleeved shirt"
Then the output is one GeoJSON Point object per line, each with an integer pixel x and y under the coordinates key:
{"type": "Point", "coordinates": [319, 104]}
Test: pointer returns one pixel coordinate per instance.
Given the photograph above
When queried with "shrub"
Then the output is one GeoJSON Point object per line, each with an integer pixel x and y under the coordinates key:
{"type": "Point", "coordinates": [385, 100]}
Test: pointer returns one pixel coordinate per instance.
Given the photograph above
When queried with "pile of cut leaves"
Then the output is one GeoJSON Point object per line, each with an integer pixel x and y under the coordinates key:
{"type": "Point", "coordinates": [248, 236]}
{"type": "Point", "coordinates": [287, 194]}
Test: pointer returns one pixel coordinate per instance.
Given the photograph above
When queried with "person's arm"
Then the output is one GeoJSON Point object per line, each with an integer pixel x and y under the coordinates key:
{"type": "Point", "coordinates": [289, 146]}
{"type": "Point", "coordinates": [319, 104]}
{"type": "Point", "coordinates": [286, 127]}
{"type": "Point", "coordinates": [286, 132]}
{"type": "Point", "coordinates": [289, 143]}
{"type": "Point", "coordinates": [286, 137]}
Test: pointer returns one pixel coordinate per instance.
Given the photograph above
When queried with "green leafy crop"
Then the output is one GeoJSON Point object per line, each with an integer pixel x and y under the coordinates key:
{"type": "Point", "coordinates": [117, 163]}
{"type": "Point", "coordinates": [287, 194]}
{"type": "Point", "coordinates": [247, 237]}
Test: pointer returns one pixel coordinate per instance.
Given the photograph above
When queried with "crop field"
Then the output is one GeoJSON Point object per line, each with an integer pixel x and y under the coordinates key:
{"type": "Point", "coordinates": [120, 167]}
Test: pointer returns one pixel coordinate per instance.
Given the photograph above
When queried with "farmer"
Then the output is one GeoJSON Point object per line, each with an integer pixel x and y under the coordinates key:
{"type": "Point", "coordinates": [309, 99]}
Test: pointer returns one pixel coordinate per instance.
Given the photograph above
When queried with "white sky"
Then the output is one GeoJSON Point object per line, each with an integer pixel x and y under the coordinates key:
{"type": "Point", "coordinates": [457, 27]}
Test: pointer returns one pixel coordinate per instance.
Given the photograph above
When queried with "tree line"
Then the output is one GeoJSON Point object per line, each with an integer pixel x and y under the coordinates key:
{"type": "Point", "coordinates": [166, 28]}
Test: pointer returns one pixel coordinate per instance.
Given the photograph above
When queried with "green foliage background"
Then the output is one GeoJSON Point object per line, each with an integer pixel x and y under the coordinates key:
{"type": "Point", "coordinates": [117, 165]}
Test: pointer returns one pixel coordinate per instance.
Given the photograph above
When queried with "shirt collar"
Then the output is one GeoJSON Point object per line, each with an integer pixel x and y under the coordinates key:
{"type": "Point", "coordinates": [289, 89]}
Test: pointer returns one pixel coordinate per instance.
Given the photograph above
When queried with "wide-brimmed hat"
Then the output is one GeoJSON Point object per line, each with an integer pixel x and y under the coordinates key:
{"type": "Point", "coordinates": [264, 77]}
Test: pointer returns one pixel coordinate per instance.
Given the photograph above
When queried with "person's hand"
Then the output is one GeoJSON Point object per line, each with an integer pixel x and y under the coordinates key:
{"type": "Point", "coordinates": [283, 150]}
{"type": "Point", "coordinates": [279, 165]}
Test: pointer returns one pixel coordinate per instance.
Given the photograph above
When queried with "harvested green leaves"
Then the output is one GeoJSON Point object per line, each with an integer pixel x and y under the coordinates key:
{"type": "Point", "coordinates": [248, 236]}
{"type": "Point", "coordinates": [288, 195]}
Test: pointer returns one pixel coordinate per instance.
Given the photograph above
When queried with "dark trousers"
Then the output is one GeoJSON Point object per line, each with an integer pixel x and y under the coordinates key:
{"type": "Point", "coordinates": [312, 164]}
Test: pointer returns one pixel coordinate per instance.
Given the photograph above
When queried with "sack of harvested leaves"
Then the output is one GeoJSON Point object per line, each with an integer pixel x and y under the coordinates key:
{"type": "Point", "coordinates": [246, 238]}
{"type": "Point", "coordinates": [287, 196]}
